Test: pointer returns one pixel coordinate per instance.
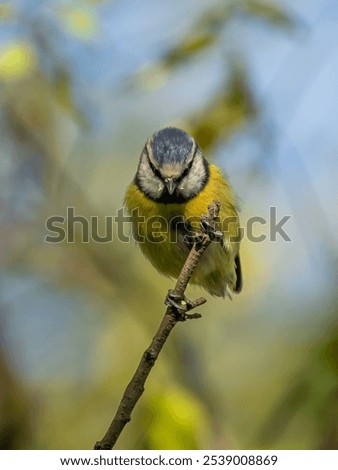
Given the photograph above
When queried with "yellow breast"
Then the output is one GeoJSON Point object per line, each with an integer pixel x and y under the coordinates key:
{"type": "Point", "coordinates": [163, 245]}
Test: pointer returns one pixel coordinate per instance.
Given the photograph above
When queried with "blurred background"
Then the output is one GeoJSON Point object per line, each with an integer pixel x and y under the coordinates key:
{"type": "Point", "coordinates": [82, 85]}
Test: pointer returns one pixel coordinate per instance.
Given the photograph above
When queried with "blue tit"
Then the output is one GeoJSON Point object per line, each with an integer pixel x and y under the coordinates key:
{"type": "Point", "coordinates": [173, 186]}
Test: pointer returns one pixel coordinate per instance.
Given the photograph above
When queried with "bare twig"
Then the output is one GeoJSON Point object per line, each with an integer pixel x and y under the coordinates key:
{"type": "Point", "coordinates": [171, 317]}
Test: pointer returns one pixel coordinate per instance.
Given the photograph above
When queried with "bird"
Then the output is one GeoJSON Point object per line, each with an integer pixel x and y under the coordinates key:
{"type": "Point", "coordinates": [172, 188]}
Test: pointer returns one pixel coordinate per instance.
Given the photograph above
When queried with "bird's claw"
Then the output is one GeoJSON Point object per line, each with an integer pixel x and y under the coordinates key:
{"type": "Point", "coordinates": [181, 304]}
{"type": "Point", "coordinates": [210, 230]}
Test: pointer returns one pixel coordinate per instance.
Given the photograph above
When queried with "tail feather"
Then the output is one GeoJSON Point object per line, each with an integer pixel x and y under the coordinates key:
{"type": "Point", "coordinates": [239, 278]}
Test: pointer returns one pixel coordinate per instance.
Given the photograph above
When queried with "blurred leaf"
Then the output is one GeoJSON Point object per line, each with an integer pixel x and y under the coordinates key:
{"type": "Point", "coordinates": [204, 34]}
{"type": "Point", "coordinates": [176, 421]}
{"type": "Point", "coordinates": [268, 11]}
{"type": "Point", "coordinates": [215, 17]}
{"type": "Point", "coordinates": [63, 89]}
{"type": "Point", "coordinates": [63, 94]}
{"type": "Point", "coordinates": [6, 11]}
{"type": "Point", "coordinates": [15, 409]}
{"type": "Point", "coordinates": [80, 22]}
{"type": "Point", "coordinates": [153, 76]}
{"type": "Point", "coordinates": [190, 46]}
{"type": "Point", "coordinates": [226, 113]}
{"type": "Point", "coordinates": [17, 60]}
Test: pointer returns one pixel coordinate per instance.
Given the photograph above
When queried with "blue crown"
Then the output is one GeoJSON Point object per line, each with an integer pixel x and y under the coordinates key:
{"type": "Point", "coordinates": [171, 145]}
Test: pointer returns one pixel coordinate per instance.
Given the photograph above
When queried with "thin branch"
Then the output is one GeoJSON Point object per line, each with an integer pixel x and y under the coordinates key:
{"type": "Point", "coordinates": [171, 317]}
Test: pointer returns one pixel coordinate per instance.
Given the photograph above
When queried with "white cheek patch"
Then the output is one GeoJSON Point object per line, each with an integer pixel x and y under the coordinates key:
{"type": "Point", "coordinates": [193, 182]}
{"type": "Point", "coordinates": [160, 187]}
{"type": "Point", "coordinates": [150, 184]}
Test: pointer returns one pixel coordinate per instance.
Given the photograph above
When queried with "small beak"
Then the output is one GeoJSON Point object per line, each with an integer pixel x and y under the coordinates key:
{"type": "Point", "coordinates": [171, 185]}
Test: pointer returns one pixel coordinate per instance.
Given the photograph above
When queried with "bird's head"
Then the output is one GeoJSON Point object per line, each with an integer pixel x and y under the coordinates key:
{"type": "Point", "coordinates": [172, 168]}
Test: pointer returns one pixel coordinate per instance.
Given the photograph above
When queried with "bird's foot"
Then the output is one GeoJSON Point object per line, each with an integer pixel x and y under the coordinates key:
{"type": "Point", "coordinates": [210, 230]}
{"type": "Point", "coordinates": [177, 302]}
{"type": "Point", "coordinates": [181, 305]}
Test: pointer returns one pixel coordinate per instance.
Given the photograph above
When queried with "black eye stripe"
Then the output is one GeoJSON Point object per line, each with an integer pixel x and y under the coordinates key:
{"type": "Point", "coordinates": [152, 166]}
{"type": "Point", "coordinates": [188, 168]}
